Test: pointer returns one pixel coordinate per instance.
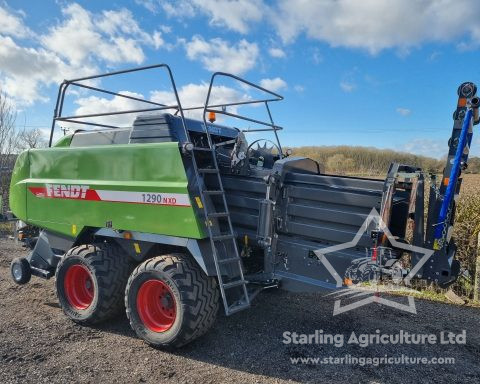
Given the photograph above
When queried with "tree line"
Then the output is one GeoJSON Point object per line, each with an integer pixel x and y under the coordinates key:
{"type": "Point", "coordinates": [372, 161]}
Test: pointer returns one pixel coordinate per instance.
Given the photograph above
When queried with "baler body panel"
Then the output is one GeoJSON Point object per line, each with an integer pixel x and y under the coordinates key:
{"type": "Point", "coordinates": [133, 187]}
{"type": "Point", "coordinates": [18, 187]}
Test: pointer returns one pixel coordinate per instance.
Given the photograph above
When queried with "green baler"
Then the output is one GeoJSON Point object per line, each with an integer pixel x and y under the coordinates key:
{"type": "Point", "coordinates": [131, 185]}
{"type": "Point", "coordinates": [169, 216]}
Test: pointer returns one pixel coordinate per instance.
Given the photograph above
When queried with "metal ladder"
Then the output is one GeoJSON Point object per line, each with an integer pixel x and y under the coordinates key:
{"type": "Point", "coordinates": [226, 263]}
{"type": "Point", "coordinates": [226, 239]}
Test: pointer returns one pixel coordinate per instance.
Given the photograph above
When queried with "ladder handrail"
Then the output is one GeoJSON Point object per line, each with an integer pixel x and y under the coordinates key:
{"type": "Point", "coordinates": [276, 97]}
{"type": "Point", "coordinates": [228, 309]}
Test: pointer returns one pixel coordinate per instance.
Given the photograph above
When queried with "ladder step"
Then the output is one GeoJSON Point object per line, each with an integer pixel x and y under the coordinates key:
{"type": "Point", "coordinates": [218, 214]}
{"type": "Point", "coordinates": [205, 149]}
{"type": "Point", "coordinates": [207, 170]}
{"type": "Point", "coordinates": [223, 237]}
{"type": "Point", "coordinates": [237, 308]}
{"type": "Point", "coordinates": [213, 192]}
{"type": "Point", "coordinates": [233, 284]}
{"type": "Point", "coordinates": [229, 260]}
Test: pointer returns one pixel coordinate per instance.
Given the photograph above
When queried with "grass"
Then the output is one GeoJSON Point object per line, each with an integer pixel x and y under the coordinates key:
{"type": "Point", "coordinates": [465, 235]}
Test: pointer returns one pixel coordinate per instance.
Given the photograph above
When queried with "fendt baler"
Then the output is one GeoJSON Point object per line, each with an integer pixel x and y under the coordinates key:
{"type": "Point", "coordinates": [169, 216]}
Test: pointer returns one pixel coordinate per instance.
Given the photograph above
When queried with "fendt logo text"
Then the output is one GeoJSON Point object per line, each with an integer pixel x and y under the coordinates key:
{"type": "Point", "coordinates": [67, 191]}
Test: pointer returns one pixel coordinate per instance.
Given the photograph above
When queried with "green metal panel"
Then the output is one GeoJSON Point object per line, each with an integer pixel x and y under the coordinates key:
{"type": "Point", "coordinates": [70, 188]}
{"type": "Point", "coordinates": [18, 192]}
{"type": "Point", "coordinates": [64, 141]}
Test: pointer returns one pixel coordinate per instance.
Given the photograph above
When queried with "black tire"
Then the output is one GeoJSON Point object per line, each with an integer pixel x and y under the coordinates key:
{"type": "Point", "coordinates": [108, 268]}
{"type": "Point", "coordinates": [20, 270]}
{"type": "Point", "coordinates": [195, 299]}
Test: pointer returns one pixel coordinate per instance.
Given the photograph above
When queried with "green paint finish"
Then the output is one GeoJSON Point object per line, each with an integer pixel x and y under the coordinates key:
{"type": "Point", "coordinates": [18, 186]}
{"type": "Point", "coordinates": [64, 141]}
{"type": "Point", "coordinates": [156, 168]}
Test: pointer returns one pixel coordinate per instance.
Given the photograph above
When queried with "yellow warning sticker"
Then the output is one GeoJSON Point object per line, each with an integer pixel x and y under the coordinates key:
{"type": "Point", "coordinates": [137, 248]}
{"type": "Point", "coordinates": [199, 202]}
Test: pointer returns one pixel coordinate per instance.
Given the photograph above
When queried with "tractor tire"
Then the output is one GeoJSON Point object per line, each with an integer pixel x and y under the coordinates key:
{"type": "Point", "coordinates": [170, 301]}
{"type": "Point", "coordinates": [90, 282]}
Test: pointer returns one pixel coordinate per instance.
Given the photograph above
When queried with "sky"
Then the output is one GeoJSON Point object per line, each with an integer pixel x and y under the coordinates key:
{"type": "Point", "coordinates": [371, 73]}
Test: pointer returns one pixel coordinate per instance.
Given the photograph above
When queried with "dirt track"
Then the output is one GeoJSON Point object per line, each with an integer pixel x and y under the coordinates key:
{"type": "Point", "coordinates": [39, 344]}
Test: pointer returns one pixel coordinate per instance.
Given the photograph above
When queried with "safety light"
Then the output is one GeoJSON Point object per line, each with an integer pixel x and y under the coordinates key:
{"type": "Point", "coordinates": [211, 117]}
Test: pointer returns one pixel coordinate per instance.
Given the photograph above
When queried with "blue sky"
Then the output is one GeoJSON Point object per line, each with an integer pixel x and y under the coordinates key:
{"type": "Point", "coordinates": [371, 73]}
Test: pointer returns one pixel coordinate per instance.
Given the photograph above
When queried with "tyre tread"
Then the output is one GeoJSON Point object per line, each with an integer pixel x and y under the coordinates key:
{"type": "Point", "coordinates": [112, 268]}
{"type": "Point", "coordinates": [199, 293]}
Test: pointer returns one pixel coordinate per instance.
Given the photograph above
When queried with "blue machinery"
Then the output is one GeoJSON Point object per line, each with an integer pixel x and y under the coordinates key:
{"type": "Point", "coordinates": [442, 225]}
{"type": "Point", "coordinates": [442, 267]}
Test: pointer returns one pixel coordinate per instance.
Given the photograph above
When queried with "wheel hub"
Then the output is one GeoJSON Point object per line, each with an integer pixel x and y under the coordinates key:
{"type": "Point", "coordinates": [156, 305]}
{"type": "Point", "coordinates": [79, 288]}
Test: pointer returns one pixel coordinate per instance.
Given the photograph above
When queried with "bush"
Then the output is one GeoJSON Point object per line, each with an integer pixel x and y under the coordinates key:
{"type": "Point", "coordinates": [366, 161]}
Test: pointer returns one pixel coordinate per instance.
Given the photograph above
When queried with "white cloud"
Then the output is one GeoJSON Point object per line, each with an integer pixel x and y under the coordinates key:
{"type": "Point", "coordinates": [194, 95]}
{"type": "Point", "coordinates": [273, 85]}
{"type": "Point", "coordinates": [372, 25]}
{"type": "Point", "coordinates": [376, 24]}
{"type": "Point", "coordinates": [113, 36]}
{"type": "Point", "coordinates": [277, 53]}
{"type": "Point", "coordinates": [347, 86]}
{"type": "Point", "coordinates": [434, 56]}
{"type": "Point", "coordinates": [220, 55]}
{"type": "Point", "coordinates": [165, 28]}
{"type": "Point", "coordinates": [94, 104]}
{"type": "Point", "coordinates": [233, 14]}
{"type": "Point", "coordinates": [299, 88]}
{"type": "Point", "coordinates": [191, 95]}
{"type": "Point", "coordinates": [426, 147]}
{"type": "Point", "coordinates": [151, 5]}
{"type": "Point", "coordinates": [403, 111]}
{"type": "Point", "coordinates": [75, 47]}
{"type": "Point", "coordinates": [117, 23]}
{"type": "Point", "coordinates": [24, 70]}
{"type": "Point", "coordinates": [178, 8]}
{"type": "Point", "coordinates": [12, 25]}
{"type": "Point", "coordinates": [316, 56]}
{"type": "Point", "coordinates": [236, 15]}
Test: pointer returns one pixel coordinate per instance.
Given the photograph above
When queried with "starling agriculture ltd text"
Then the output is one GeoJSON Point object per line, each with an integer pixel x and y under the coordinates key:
{"type": "Point", "coordinates": [377, 338]}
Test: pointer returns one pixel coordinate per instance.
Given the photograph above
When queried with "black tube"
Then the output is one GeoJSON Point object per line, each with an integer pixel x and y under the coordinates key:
{"type": "Point", "coordinates": [475, 104]}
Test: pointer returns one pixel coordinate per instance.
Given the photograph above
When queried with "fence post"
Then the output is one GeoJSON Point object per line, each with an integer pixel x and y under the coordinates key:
{"type": "Point", "coordinates": [476, 287]}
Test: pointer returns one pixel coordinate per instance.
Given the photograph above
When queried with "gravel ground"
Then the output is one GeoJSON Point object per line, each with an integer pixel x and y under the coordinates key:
{"type": "Point", "coordinates": [39, 344]}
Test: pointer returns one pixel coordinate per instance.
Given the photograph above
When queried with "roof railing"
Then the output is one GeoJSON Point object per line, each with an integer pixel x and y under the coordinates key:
{"type": "Point", "coordinates": [206, 108]}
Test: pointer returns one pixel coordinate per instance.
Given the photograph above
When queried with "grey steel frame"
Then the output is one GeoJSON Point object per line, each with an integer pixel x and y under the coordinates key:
{"type": "Point", "coordinates": [79, 119]}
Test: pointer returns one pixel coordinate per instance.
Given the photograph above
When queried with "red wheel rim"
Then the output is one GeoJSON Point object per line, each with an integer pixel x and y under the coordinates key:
{"type": "Point", "coordinates": [79, 287]}
{"type": "Point", "coordinates": [156, 305]}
